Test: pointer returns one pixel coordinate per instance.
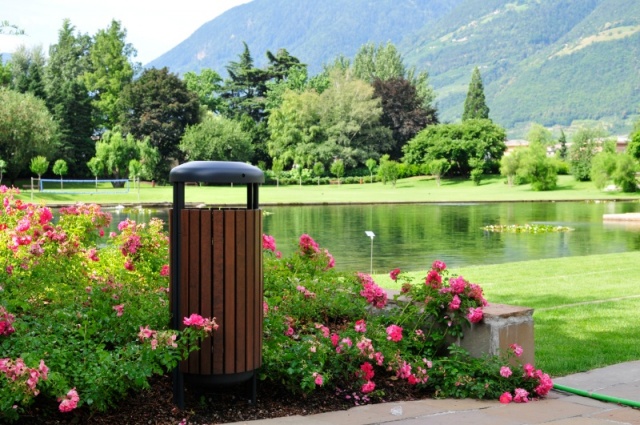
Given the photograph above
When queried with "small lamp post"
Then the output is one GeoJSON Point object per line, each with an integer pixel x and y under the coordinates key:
{"type": "Point", "coordinates": [371, 235]}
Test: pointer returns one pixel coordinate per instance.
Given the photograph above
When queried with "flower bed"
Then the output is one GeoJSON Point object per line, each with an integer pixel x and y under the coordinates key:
{"type": "Point", "coordinates": [84, 320]}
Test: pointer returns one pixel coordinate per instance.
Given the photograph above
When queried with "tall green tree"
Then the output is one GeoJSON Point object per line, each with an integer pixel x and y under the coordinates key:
{"type": "Point", "coordinates": [68, 97]}
{"type": "Point", "coordinates": [39, 165]}
{"type": "Point", "coordinates": [111, 68]}
{"type": "Point", "coordinates": [27, 129]}
{"type": "Point", "coordinates": [383, 62]}
{"type": "Point", "coordinates": [208, 86]}
{"type": "Point", "coordinates": [60, 168]}
{"type": "Point", "coordinates": [537, 168]}
{"type": "Point", "coordinates": [539, 134]}
{"type": "Point", "coordinates": [586, 143]}
{"type": "Point", "coordinates": [216, 138]}
{"type": "Point", "coordinates": [562, 141]}
{"type": "Point", "coordinates": [158, 105]}
{"type": "Point", "coordinates": [27, 71]}
{"type": "Point", "coordinates": [475, 105]}
{"type": "Point", "coordinates": [114, 152]}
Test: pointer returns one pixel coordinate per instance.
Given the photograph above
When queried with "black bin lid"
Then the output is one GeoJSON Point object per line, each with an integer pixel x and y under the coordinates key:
{"type": "Point", "coordinates": [216, 172]}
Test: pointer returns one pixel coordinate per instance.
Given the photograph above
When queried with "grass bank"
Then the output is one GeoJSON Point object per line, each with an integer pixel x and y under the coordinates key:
{"type": "Point", "coordinates": [415, 189]}
{"type": "Point", "coordinates": [586, 308]}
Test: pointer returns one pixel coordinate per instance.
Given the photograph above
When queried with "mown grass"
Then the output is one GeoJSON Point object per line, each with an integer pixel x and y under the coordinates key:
{"type": "Point", "coordinates": [587, 309]}
{"type": "Point", "coordinates": [415, 189]}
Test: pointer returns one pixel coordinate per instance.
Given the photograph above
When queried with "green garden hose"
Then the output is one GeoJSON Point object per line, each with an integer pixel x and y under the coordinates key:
{"type": "Point", "coordinates": [597, 396]}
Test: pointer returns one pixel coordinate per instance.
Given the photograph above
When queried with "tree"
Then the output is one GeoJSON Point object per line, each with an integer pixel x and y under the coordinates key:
{"type": "Point", "coordinates": [114, 151]}
{"type": "Point", "coordinates": [60, 168]}
{"type": "Point", "coordinates": [68, 97]}
{"type": "Point", "coordinates": [7, 27]}
{"type": "Point", "coordinates": [27, 71]}
{"type": "Point", "coordinates": [318, 170]}
{"type": "Point", "coordinates": [539, 134]}
{"type": "Point", "coordinates": [438, 168]}
{"type": "Point", "coordinates": [562, 141]}
{"type": "Point", "coordinates": [603, 165]}
{"type": "Point", "coordinates": [216, 138]}
{"type": "Point", "coordinates": [475, 106]}
{"type": "Point", "coordinates": [158, 105]}
{"type": "Point", "coordinates": [3, 168]}
{"type": "Point", "coordinates": [207, 85]}
{"type": "Point", "coordinates": [337, 169]}
{"type": "Point", "coordinates": [586, 144]}
{"type": "Point", "coordinates": [509, 166]}
{"type": "Point", "coordinates": [96, 167]}
{"type": "Point", "coordinates": [537, 168]}
{"type": "Point", "coordinates": [388, 170]}
{"type": "Point", "coordinates": [624, 176]}
{"type": "Point", "coordinates": [39, 165]}
{"type": "Point", "coordinates": [277, 167]}
{"type": "Point", "coordinates": [110, 70]}
{"type": "Point", "coordinates": [26, 130]}
{"type": "Point", "coordinates": [378, 63]}
{"type": "Point", "coordinates": [477, 170]}
{"type": "Point", "coordinates": [633, 147]}
{"type": "Point", "coordinates": [458, 143]}
{"type": "Point", "coordinates": [371, 165]}
{"type": "Point", "coordinates": [402, 111]}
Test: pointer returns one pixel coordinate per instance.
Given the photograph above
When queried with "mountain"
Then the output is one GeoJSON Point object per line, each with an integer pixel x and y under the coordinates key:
{"type": "Point", "coordinates": [555, 62]}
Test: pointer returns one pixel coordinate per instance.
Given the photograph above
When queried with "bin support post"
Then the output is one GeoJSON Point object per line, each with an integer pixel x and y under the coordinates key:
{"type": "Point", "coordinates": [178, 206]}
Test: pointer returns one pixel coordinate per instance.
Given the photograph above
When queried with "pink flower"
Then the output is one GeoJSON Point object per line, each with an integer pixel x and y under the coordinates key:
{"type": "Point", "coordinates": [325, 331]}
{"type": "Point", "coordinates": [475, 315]}
{"type": "Point", "coordinates": [101, 232]}
{"type": "Point", "coordinates": [194, 320]}
{"type": "Point", "coordinates": [505, 371]}
{"type": "Point", "coordinates": [393, 274]}
{"type": "Point", "coordinates": [455, 303]}
{"type": "Point", "coordinates": [289, 331]}
{"type": "Point", "coordinates": [70, 401]}
{"type": "Point", "coordinates": [521, 395]}
{"type": "Point", "coordinates": [128, 265]}
{"type": "Point", "coordinates": [319, 380]}
{"type": "Point", "coordinates": [517, 350]}
{"type": "Point", "coordinates": [335, 338]}
{"type": "Point", "coordinates": [438, 266]}
{"type": "Point", "coordinates": [331, 263]}
{"type": "Point", "coordinates": [457, 284]}
{"type": "Point", "coordinates": [361, 326]}
{"type": "Point", "coordinates": [433, 279]}
{"type": "Point", "coordinates": [367, 371]}
{"type": "Point", "coordinates": [268, 243]}
{"type": "Point", "coordinates": [146, 333]}
{"type": "Point", "coordinates": [45, 216]}
{"type": "Point", "coordinates": [308, 245]}
{"type": "Point", "coordinates": [375, 295]}
{"type": "Point", "coordinates": [506, 398]}
{"type": "Point", "coordinates": [546, 384]}
{"type": "Point", "coordinates": [394, 333]}
{"type": "Point", "coordinates": [93, 254]}
{"type": "Point", "coordinates": [368, 387]}
{"type": "Point", "coordinates": [528, 370]}
{"type": "Point", "coordinates": [119, 309]}
{"type": "Point", "coordinates": [164, 271]}
{"type": "Point", "coordinates": [379, 358]}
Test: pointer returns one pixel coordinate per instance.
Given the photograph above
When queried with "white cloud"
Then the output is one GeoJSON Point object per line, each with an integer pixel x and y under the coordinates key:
{"type": "Point", "coordinates": [153, 27]}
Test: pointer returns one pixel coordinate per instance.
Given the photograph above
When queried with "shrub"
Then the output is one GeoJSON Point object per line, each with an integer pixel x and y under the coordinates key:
{"type": "Point", "coordinates": [338, 330]}
{"type": "Point", "coordinates": [80, 324]}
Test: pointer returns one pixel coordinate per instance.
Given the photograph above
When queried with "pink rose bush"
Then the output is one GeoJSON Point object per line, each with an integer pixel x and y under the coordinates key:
{"type": "Point", "coordinates": [342, 331]}
{"type": "Point", "coordinates": [83, 320]}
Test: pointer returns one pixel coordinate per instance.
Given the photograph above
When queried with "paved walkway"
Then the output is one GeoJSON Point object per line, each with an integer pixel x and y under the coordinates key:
{"type": "Point", "coordinates": [559, 408]}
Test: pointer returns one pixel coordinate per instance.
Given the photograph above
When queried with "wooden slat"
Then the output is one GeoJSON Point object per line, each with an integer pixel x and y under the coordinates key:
{"type": "Point", "coordinates": [194, 278]}
{"type": "Point", "coordinates": [241, 290]}
{"type": "Point", "coordinates": [260, 290]}
{"type": "Point", "coordinates": [229, 292]}
{"type": "Point", "coordinates": [218, 290]}
{"type": "Point", "coordinates": [251, 289]}
{"type": "Point", "coordinates": [206, 287]}
{"type": "Point", "coordinates": [184, 274]}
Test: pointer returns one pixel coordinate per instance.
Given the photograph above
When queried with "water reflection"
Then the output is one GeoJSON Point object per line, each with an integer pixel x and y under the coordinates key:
{"type": "Point", "coordinates": [412, 236]}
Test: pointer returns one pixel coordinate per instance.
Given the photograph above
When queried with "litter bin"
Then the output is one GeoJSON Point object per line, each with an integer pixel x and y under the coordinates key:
{"type": "Point", "coordinates": [216, 271]}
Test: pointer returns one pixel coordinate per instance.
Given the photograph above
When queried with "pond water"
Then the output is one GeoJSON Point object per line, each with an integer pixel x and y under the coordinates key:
{"type": "Point", "coordinates": [412, 236]}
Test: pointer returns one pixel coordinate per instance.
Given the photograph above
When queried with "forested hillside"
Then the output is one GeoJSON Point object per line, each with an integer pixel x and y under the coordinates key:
{"type": "Point", "coordinates": [555, 62]}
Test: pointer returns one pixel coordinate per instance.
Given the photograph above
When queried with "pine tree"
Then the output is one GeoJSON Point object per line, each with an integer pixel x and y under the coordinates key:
{"type": "Point", "coordinates": [475, 106]}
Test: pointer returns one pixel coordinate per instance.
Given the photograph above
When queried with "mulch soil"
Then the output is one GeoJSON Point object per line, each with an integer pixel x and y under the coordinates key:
{"type": "Point", "coordinates": [213, 406]}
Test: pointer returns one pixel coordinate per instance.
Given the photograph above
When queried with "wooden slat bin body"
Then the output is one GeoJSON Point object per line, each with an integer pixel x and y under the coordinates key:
{"type": "Point", "coordinates": [221, 275]}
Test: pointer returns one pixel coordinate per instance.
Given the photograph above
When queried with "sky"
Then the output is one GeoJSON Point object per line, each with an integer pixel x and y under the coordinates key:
{"type": "Point", "coordinates": [153, 27]}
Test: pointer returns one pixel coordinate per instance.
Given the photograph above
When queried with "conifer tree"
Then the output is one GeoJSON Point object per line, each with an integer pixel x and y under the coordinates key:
{"type": "Point", "coordinates": [475, 106]}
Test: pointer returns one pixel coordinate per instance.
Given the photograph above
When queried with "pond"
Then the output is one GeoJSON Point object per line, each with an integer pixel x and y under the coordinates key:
{"type": "Point", "coordinates": [411, 236]}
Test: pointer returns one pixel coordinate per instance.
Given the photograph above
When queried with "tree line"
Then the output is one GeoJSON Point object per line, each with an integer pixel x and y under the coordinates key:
{"type": "Point", "coordinates": [91, 106]}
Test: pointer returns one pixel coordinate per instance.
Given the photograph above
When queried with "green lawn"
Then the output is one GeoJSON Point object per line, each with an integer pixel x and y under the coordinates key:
{"type": "Point", "coordinates": [587, 309]}
{"type": "Point", "coordinates": [416, 189]}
